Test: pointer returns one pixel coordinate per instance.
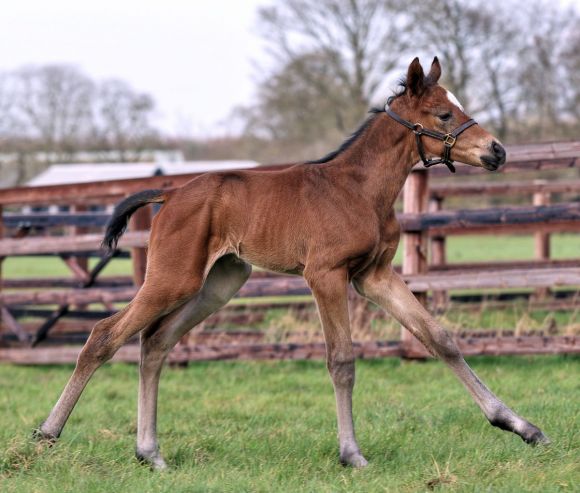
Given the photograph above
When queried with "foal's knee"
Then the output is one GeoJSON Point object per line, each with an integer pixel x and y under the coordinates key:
{"type": "Point", "coordinates": [154, 349]}
{"type": "Point", "coordinates": [101, 346]}
{"type": "Point", "coordinates": [341, 371]}
{"type": "Point", "coordinates": [444, 345]}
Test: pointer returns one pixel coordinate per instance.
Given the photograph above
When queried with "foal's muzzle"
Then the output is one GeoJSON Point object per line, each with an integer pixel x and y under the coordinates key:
{"type": "Point", "coordinates": [496, 158]}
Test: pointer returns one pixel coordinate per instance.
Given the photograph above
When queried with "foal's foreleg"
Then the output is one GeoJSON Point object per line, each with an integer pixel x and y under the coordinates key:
{"type": "Point", "coordinates": [330, 292]}
{"type": "Point", "coordinates": [224, 280]}
{"type": "Point", "coordinates": [384, 287]}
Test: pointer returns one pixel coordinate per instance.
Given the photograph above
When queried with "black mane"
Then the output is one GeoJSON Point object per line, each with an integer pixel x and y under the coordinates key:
{"type": "Point", "coordinates": [400, 91]}
{"type": "Point", "coordinates": [350, 140]}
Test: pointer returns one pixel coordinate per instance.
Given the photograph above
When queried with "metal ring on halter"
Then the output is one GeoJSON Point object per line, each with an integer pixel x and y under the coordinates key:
{"type": "Point", "coordinates": [417, 128]}
{"type": "Point", "coordinates": [449, 140]}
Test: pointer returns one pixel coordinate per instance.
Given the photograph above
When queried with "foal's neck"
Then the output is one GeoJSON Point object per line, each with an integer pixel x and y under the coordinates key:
{"type": "Point", "coordinates": [380, 160]}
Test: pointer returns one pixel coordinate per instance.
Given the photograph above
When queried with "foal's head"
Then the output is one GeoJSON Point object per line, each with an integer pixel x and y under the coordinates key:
{"type": "Point", "coordinates": [431, 106]}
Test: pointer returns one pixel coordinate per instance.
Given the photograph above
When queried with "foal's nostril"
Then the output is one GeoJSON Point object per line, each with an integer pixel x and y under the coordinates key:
{"type": "Point", "coordinates": [498, 151]}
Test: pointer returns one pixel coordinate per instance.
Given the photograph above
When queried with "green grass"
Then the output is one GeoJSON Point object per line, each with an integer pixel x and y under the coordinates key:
{"type": "Point", "coordinates": [29, 267]}
{"type": "Point", "coordinates": [518, 316]}
{"type": "Point", "coordinates": [459, 249]}
{"type": "Point", "coordinates": [270, 426]}
{"type": "Point", "coordinates": [278, 323]}
{"type": "Point", "coordinates": [497, 248]}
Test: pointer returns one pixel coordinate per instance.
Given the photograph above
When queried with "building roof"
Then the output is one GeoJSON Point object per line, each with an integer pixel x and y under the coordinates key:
{"type": "Point", "coordinates": [62, 174]}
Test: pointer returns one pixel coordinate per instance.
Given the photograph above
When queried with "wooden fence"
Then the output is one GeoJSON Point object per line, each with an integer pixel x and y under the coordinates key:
{"type": "Point", "coordinates": [424, 222]}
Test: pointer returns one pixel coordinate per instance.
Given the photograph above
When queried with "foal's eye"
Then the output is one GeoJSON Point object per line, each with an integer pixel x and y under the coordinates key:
{"type": "Point", "coordinates": [445, 116]}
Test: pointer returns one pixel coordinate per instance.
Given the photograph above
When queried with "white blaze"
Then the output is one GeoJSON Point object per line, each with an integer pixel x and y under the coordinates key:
{"type": "Point", "coordinates": [451, 97]}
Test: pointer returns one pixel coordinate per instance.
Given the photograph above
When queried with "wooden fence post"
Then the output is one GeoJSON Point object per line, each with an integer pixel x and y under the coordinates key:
{"type": "Point", "coordinates": [415, 245]}
{"type": "Point", "coordinates": [541, 239]}
{"type": "Point", "coordinates": [438, 250]}
{"type": "Point", "coordinates": [81, 262]}
{"type": "Point", "coordinates": [140, 221]}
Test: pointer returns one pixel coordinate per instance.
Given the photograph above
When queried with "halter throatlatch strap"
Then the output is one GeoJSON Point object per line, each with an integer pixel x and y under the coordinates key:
{"type": "Point", "coordinates": [447, 139]}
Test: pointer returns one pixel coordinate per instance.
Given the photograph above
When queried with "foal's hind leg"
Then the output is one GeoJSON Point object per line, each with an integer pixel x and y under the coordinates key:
{"type": "Point", "coordinates": [384, 287]}
{"type": "Point", "coordinates": [157, 297]}
{"type": "Point", "coordinates": [224, 280]}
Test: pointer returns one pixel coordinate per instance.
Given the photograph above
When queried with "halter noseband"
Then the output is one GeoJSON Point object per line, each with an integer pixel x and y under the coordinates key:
{"type": "Point", "coordinates": [447, 139]}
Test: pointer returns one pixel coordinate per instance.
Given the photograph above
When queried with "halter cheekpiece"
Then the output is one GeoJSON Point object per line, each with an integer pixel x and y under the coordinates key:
{"type": "Point", "coordinates": [447, 139]}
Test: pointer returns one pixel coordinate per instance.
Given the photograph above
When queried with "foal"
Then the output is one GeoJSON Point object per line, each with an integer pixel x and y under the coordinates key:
{"type": "Point", "coordinates": [331, 221]}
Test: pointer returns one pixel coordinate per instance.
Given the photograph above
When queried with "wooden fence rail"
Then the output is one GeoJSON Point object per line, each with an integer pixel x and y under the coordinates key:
{"type": "Point", "coordinates": [182, 354]}
{"type": "Point", "coordinates": [508, 188]}
{"type": "Point", "coordinates": [564, 217]}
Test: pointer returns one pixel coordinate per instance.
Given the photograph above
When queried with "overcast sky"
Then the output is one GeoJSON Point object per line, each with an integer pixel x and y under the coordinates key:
{"type": "Point", "coordinates": [196, 57]}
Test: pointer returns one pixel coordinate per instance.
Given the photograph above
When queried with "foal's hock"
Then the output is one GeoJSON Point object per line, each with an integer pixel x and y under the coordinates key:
{"type": "Point", "coordinates": [330, 220]}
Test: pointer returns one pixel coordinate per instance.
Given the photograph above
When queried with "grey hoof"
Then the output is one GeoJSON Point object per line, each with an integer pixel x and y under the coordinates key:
{"type": "Point", "coordinates": [43, 437]}
{"type": "Point", "coordinates": [355, 460]}
{"type": "Point", "coordinates": [154, 461]}
{"type": "Point", "coordinates": [536, 437]}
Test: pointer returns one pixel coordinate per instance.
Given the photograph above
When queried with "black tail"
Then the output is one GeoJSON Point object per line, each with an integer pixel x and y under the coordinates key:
{"type": "Point", "coordinates": [120, 218]}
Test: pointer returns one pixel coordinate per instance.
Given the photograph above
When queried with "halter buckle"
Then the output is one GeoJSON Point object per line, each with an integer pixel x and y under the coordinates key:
{"type": "Point", "coordinates": [449, 140]}
{"type": "Point", "coordinates": [418, 128]}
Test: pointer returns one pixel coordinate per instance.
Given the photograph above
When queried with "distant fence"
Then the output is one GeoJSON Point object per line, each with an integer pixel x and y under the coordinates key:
{"type": "Point", "coordinates": [424, 222]}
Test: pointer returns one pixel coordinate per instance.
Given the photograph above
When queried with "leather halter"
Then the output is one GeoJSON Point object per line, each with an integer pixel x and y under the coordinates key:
{"type": "Point", "coordinates": [447, 139]}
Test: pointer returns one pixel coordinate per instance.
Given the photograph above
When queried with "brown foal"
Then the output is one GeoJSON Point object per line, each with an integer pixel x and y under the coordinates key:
{"type": "Point", "coordinates": [331, 221]}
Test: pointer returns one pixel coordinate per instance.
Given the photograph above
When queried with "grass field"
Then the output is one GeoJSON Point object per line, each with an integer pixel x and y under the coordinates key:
{"type": "Point", "coordinates": [270, 426]}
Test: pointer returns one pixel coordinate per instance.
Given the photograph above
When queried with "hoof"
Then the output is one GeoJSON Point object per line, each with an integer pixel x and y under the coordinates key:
{"type": "Point", "coordinates": [536, 437]}
{"type": "Point", "coordinates": [158, 464]}
{"type": "Point", "coordinates": [354, 460]}
{"type": "Point", "coordinates": [154, 461]}
{"type": "Point", "coordinates": [43, 437]}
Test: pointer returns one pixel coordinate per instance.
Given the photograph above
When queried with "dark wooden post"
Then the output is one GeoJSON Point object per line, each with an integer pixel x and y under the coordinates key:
{"type": "Point", "coordinates": [415, 198]}
{"type": "Point", "coordinates": [82, 262]}
{"type": "Point", "coordinates": [140, 221]}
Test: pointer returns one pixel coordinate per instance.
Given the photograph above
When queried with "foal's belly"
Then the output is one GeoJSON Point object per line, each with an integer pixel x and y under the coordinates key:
{"type": "Point", "coordinates": [272, 262]}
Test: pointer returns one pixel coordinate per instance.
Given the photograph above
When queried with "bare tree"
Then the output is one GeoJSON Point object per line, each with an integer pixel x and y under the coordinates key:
{"type": "Point", "coordinates": [494, 67]}
{"type": "Point", "coordinates": [329, 59]}
{"type": "Point", "coordinates": [48, 113]}
{"type": "Point", "coordinates": [54, 105]}
{"type": "Point", "coordinates": [544, 81]}
{"type": "Point", "coordinates": [291, 108]}
{"type": "Point", "coordinates": [123, 118]}
{"type": "Point", "coordinates": [8, 128]}
{"type": "Point", "coordinates": [570, 64]}
{"type": "Point", "coordinates": [472, 39]}
{"type": "Point", "coordinates": [357, 38]}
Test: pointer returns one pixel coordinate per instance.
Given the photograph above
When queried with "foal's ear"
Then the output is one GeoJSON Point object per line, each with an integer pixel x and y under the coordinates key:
{"type": "Point", "coordinates": [435, 71]}
{"type": "Point", "coordinates": [415, 78]}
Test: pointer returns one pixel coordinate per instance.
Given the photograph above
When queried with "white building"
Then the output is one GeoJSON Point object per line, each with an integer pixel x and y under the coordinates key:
{"type": "Point", "coordinates": [65, 174]}
{"type": "Point", "coordinates": [62, 174]}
